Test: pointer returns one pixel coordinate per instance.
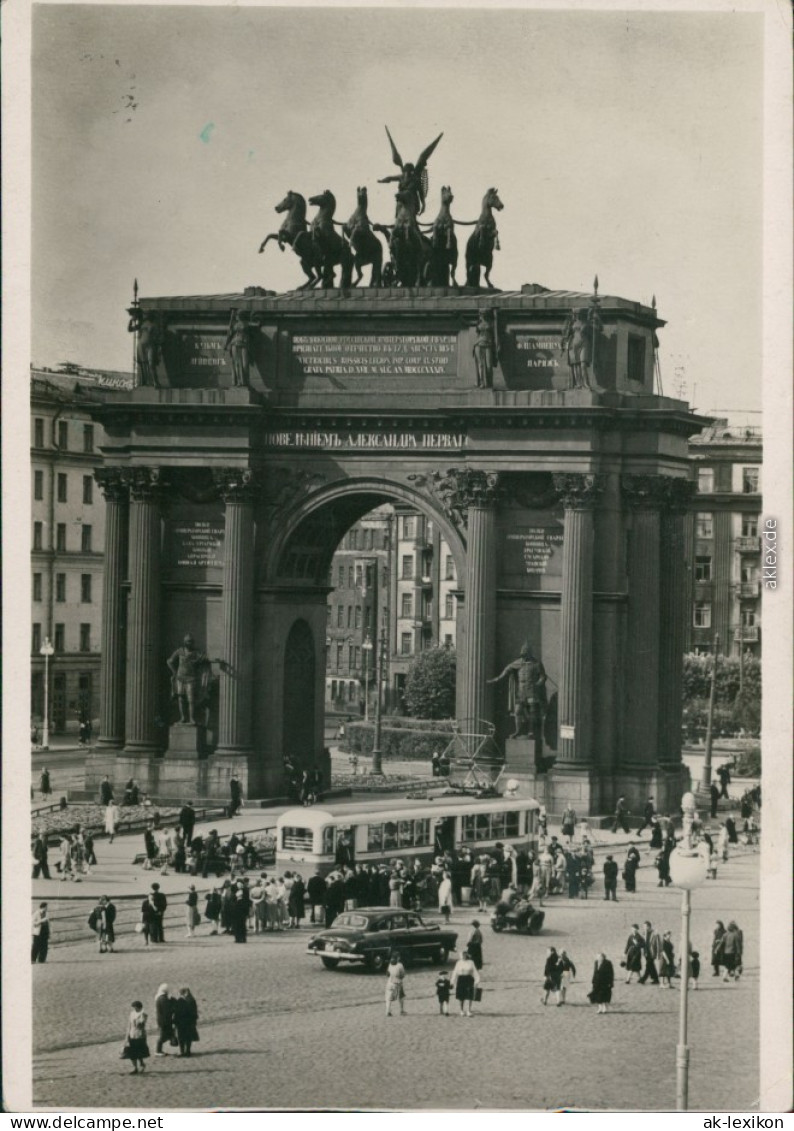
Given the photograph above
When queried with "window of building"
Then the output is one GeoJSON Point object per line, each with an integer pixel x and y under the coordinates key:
{"type": "Point", "coordinates": [88, 489]}
{"type": "Point", "coordinates": [447, 640]}
{"type": "Point", "coordinates": [749, 572]}
{"type": "Point", "coordinates": [449, 572]}
{"type": "Point", "coordinates": [35, 640]}
{"type": "Point", "coordinates": [449, 606]}
{"type": "Point", "coordinates": [703, 568]}
{"type": "Point", "coordinates": [366, 616]}
{"type": "Point", "coordinates": [409, 526]}
{"type": "Point", "coordinates": [407, 605]}
{"type": "Point", "coordinates": [748, 618]}
{"type": "Point", "coordinates": [60, 587]}
{"type": "Point", "coordinates": [63, 435]}
{"type": "Point", "coordinates": [339, 656]}
{"type": "Point", "coordinates": [59, 643]}
{"type": "Point", "coordinates": [369, 538]}
{"type": "Point", "coordinates": [60, 537]}
{"type": "Point", "coordinates": [37, 535]}
{"type": "Point", "coordinates": [61, 487]}
{"type": "Point", "coordinates": [357, 617]}
{"type": "Point", "coordinates": [341, 581]}
{"type": "Point", "coordinates": [351, 577]}
{"type": "Point", "coordinates": [705, 480]}
{"type": "Point", "coordinates": [85, 637]}
{"type": "Point", "coordinates": [702, 617]}
{"type": "Point", "coordinates": [340, 616]}
{"type": "Point", "coordinates": [750, 480]}
{"type": "Point", "coordinates": [704, 524]}
{"type": "Point", "coordinates": [408, 565]}
{"type": "Point", "coordinates": [359, 575]}
{"type": "Point", "coordinates": [351, 655]}
{"type": "Point", "coordinates": [357, 657]}
{"type": "Point", "coordinates": [86, 539]}
{"type": "Point", "coordinates": [38, 485]}
{"type": "Point", "coordinates": [85, 684]}
{"type": "Point", "coordinates": [38, 432]}
{"type": "Point", "coordinates": [85, 588]}
{"type": "Point", "coordinates": [636, 358]}
{"type": "Point", "coordinates": [405, 643]}
{"type": "Point", "coordinates": [36, 586]}
{"type": "Point", "coordinates": [749, 526]}
{"type": "Point", "coordinates": [88, 437]}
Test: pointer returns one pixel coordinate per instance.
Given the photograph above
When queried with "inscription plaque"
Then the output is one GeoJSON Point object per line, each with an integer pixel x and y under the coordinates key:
{"type": "Point", "coordinates": [538, 353]}
{"type": "Point", "coordinates": [203, 354]}
{"type": "Point", "coordinates": [398, 441]}
{"type": "Point", "coordinates": [346, 355]}
{"type": "Point", "coordinates": [534, 550]}
{"type": "Point", "coordinates": [198, 544]}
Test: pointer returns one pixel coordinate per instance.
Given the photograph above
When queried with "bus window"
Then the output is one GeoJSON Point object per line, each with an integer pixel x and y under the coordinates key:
{"type": "Point", "coordinates": [295, 839]}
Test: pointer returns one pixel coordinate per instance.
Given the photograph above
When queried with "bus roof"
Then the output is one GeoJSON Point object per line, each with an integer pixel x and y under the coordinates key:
{"type": "Point", "coordinates": [401, 809]}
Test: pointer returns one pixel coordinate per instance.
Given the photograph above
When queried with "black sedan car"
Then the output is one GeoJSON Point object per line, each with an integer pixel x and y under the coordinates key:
{"type": "Point", "coordinates": [369, 935]}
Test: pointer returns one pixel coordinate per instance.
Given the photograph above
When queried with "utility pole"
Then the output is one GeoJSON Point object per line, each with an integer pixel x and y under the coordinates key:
{"type": "Point", "coordinates": [706, 779]}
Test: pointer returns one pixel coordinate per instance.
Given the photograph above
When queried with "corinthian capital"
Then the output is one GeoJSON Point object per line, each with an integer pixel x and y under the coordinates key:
{"type": "Point", "coordinates": [236, 484]}
{"type": "Point", "coordinates": [678, 494]}
{"type": "Point", "coordinates": [145, 484]}
{"type": "Point", "coordinates": [462, 487]}
{"type": "Point", "coordinates": [578, 492]}
{"type": "Point", "coordinates": [643, 492]}
{"type": "Point", "coordinates": [112, 484]}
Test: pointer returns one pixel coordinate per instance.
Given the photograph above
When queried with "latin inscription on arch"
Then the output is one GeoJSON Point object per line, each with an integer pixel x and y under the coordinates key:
{"type": "Point", "coordinates": [346, 355]}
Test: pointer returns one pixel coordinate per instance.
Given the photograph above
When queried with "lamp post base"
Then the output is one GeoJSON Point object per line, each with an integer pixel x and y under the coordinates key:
{"type": "Point", "coordinates": [682, 1077]}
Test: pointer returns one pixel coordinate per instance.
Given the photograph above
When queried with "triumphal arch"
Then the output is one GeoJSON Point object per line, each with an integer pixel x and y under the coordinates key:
{"type": "Point", "coordinates": [524, 423]}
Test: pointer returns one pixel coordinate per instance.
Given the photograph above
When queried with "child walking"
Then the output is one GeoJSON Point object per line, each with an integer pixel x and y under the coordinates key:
{"type": "Point", "coordinates": [443, 988]}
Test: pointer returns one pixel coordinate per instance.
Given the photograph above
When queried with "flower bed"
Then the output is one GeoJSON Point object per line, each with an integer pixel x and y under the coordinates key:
{"type": "Point", "coordinates": [91, 815]}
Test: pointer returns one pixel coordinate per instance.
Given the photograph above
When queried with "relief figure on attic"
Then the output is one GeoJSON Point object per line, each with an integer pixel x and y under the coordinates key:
{"type": "Point", "coordinates": [148, 348]}
{"type": "Point", "coordinates": [238, 345]}
{"type": "Point", "coordinates": [580, 340]}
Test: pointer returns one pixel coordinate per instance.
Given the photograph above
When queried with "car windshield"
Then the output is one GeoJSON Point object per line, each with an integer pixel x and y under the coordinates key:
{"type": "Point", "coordinates": [350, 919]}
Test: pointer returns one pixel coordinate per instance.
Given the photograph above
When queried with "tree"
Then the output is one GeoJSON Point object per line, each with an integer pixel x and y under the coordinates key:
{"type": "Point", "coordinates": [430, 684]}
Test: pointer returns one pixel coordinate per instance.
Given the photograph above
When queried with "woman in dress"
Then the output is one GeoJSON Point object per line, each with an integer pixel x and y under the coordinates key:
{"type": "Point", "coordinates": [552, 977]}
{"type": "Point", "coordinates": [192, 917]}
{"type": "Point", "coordinates": [185, 1018]}
{"type": "Point", "coordinates": [603, 981]}
{"type": "Point", "coordinates": [212, 910]}
{"type": "Point", "coordinates": [567, 973]}
{"type": "Point", "coordinates": [630, 868]}
{"type": "Point", "coordinates": [395, 985]}
{"type": "Point", "coordinates": [164, 1014]}
{"type": "Point", "coordinates": [111, 819]}
{"type": "Point", "coordinates": [717, 947]}
{"type": "Point", "coordinates": [666, 961]}
{"type": "Point", "coordinates": [297, 901]}
{"type": "Point", "coordinates": [465, 977]}
{"type": "Point", "coordinates": [135, 1048]}
{"type": "Point", "coordinates": [474, 944]}
{"type": "Point", "coordinates": [445, 896]}
{"type": "Point", "coordinates": [568, 823]}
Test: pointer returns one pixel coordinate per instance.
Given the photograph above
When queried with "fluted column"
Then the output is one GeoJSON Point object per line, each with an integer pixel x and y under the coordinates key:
{"type": "Point", "coordinates": [238, 491]}
{"type": "Point", "coordinates": [673, 616]}
{"type": "Point", "coordinates": [642, 497]}
{"type": "Point", "coordinates": [579, 495]}
{"type": "Point", "coordinates": [145, 669]}
{"type": "Point", "coordinates": [111, 693]}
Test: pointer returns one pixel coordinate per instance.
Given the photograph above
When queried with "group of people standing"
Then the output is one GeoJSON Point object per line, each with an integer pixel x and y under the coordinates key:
{"type": "Point", "coordinates": [176, 1016]}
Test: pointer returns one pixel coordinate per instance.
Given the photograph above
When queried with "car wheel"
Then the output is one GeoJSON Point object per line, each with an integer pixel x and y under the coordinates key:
{"type": "Point", "coordinates": [499, 925]}
{"type": "Point", "coordinates": [441, 955]}
{"type": "Point", "coordinates": [377, 961]}
{"type": "Point", "coordinates": [329, 963]}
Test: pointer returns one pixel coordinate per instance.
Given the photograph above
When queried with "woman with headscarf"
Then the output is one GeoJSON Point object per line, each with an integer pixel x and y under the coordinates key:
{"type": "Point", "coordinates": [185, 1018]}
{"type": "Point", "coordinates": [136, 1048]}
{"type": "Point", "coordinates": [603, 981]}
{"type": "Point", "coordinates": [732, 944]}
{"type": "Point", "coordinates": [164, 1015]}
{"type": "Point", "coordinates": [395, 986]}
{"type": "Point", "coordinates": [465, 978]}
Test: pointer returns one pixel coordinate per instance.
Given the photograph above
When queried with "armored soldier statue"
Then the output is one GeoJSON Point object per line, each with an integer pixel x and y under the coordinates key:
{"type": "Point", "coordinates": [485, 349]}
{"type": "Point", "coordinates": [526, 693]}
{"type": "Point", "coordinates": [190, 672]}
{"type": "Point", "coordinates": [238, 344]}
{"type": "Point", "coordinates": [149, 345]}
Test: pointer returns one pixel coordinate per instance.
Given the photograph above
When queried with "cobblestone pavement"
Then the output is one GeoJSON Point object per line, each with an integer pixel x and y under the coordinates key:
{"type": "Point", "coordinates": [278, 1030]}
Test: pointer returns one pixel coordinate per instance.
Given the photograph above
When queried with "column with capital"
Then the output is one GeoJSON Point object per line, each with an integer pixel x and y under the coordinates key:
{"type": "Point", "coordinates": [237, 487]}
{"type": "Point", "coordinates": [579, 494]}
{"type": "Point", "coordinates": [111, 694]}
{"type": "Point", "coordinates": [144, 663]}
{"type": "Point", "coordinates": [642, 497]}
{"type": "Point", "coordinates": [470, 498]}
{"type": "Point", "coordinates": [673, 614]}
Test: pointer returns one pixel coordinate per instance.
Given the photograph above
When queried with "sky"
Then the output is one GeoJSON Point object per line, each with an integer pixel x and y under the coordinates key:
{"type": "Point", "coordinates": [623, 144]}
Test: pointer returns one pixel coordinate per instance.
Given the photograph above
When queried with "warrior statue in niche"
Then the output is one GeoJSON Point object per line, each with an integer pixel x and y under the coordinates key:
{"type": "Point", "coordinates": [527, 700]}
{"type": "Point", "coordinates": [191, 676]}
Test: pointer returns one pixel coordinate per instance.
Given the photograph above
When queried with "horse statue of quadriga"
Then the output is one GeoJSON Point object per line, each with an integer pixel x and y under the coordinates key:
{"type": "Point", "coordinates": [483, 241]}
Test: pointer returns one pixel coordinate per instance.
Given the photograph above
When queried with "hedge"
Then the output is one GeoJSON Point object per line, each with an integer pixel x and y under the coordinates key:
{"type": "Point", "coordinates": [402, 739]}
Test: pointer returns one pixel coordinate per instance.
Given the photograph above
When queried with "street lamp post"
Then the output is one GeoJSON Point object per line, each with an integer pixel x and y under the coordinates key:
{"type": "Point", "coordinates": [687, 870]}
{"type": "Point", "coordinates": [706, 779]}
{"type": "Point", "coordinates": [46, 651]}
{"type": "Point", "coordinates": [366, 647]}
{"type": "Point", "coordinates": [377, 754]}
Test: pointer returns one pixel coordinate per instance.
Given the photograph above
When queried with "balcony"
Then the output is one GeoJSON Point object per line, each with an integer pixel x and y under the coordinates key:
{"type": "Point", "coordinates": [749, 590]}
{"type": "Point", "coordinates": [747, 635]}
{"type": "Point", "coordinates": [749, 544]}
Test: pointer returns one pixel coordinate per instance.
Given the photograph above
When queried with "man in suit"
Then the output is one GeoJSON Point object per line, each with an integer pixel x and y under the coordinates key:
{"type": "Point", "coordinates": [653, 950]}
{"type": "Point", "coordinates": [603, 981]}
{"type": "Point", "coordinates": [621, 815]}
{"type": "Point", "coordinates": [648, 814]}
{"type": "Point", "coordinates": [187, 821]}
{"type": "Point", "coordinates": [611, 879]}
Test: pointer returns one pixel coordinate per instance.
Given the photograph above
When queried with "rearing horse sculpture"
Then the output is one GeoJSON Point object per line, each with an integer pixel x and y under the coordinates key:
{"type": "Point", "coordinates": [483, 240]}
{"type": "Point", "coordinates": [333, 249]}
{"type": "Point", "coordinates": [366, 247]}
{"type": "Point", "coordinates": [293, 231]}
